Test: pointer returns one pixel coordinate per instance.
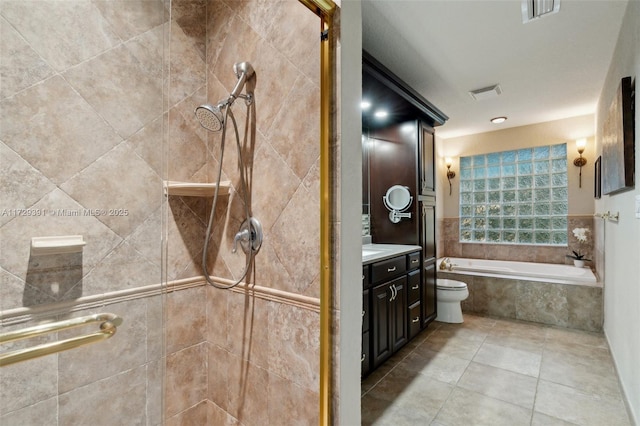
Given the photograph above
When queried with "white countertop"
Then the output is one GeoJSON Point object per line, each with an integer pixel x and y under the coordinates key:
{"type": "Point", "coordinates": [375, 252]}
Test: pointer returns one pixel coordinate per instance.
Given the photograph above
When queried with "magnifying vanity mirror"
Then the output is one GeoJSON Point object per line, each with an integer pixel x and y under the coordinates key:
{"type": "Point", "coordinates": [397, 200]}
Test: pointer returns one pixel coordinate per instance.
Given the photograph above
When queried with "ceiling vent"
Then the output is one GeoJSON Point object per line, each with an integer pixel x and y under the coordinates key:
{"type": "Point", "coordinates": [486, 92]}
{"type": "Point", "coordinates": [534, 9]}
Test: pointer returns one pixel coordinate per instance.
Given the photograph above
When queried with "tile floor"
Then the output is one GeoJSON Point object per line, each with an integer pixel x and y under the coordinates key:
{"type": "Point", "coordinates": [490, 371]}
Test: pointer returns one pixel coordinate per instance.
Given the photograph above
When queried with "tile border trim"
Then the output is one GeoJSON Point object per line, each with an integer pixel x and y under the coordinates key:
{"type": "Point", "coordinates": [24, 314]}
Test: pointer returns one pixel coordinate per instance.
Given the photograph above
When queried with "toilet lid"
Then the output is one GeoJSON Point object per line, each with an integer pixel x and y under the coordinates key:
{"type": "Point", "coordinates": [451, 285]}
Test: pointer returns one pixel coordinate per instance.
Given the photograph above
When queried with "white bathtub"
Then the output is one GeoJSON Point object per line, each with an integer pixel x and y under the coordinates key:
{"type": "Point", "coordinates": [545, 272]}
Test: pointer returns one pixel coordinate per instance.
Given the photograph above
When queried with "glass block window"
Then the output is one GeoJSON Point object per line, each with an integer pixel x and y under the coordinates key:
{"type": "Point", "coordinates": [515, 197]}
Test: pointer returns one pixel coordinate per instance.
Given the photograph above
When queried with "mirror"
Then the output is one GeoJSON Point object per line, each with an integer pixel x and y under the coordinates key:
{"type": "Point", "coordinates": [397, 200]}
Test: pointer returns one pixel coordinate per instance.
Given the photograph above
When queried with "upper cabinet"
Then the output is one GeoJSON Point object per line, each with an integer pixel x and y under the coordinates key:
{"type": "Point", "coordinates": [426, 155]}
{"type": "Point", "coordinates": [385, 91]}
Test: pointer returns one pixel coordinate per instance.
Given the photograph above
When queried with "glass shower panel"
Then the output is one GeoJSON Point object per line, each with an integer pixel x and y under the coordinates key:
{"type": "Point", "coordinates": [82, 94]}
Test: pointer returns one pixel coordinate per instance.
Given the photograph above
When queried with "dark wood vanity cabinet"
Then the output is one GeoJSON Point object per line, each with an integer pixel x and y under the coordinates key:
{"type": "Point", "coordinates": [365, 358]}
{"type": "Point", "coordinates": [394, 299]}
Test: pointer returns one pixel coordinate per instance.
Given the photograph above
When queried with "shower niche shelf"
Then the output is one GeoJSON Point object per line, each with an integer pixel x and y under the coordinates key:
{"type": "Point", "coordinates": [194, 189]}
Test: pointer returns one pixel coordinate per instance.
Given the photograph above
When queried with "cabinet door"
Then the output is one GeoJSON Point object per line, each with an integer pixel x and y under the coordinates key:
{"type": "Point", "coordinates": [365, 311]}
{"type": "Point", "coordinates": [426, 164]}
{"type": "Point", "coordinates": [379, 331]}
{"type": "Point", "coordinates": [365, 358]}
{"type": "Point", "coordinates": [400, 331]}
{"type": "Point", "coordinates": [428, 230]}
{"type": "Point", "coordinates": [429, 304]}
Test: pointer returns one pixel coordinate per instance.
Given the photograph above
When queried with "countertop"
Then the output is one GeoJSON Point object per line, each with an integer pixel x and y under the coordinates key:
{"type": "Point", "coordinates": [375, 252]}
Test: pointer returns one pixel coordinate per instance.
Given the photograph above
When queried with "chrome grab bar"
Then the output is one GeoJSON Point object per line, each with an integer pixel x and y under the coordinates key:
{"type": "Point", "coordinates": [108, 327]}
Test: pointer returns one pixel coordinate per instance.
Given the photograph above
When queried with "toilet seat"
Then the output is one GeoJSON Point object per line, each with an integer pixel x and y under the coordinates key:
{"type": "Point", "coordinates": [450, 285]}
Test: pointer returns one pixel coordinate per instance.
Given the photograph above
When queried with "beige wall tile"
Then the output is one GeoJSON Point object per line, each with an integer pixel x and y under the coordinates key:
{"type": "Point", "coordinates": [20, 65]}
{"type": "Point", "coordinates": [15, 245]}
{"type": "Point", "coordinates": [54, 129]}
{"type": "Point", "coordinates": [83, 405]}
{"type": "Point", "coordinates": [18, 389]}
{"type": "Point", "coordinates": [186, 379]}
{"type": "Point", "coordinates": [289, 404]}
{"type": "Point", "coordinates": [124, 85]}
{"type": "Point", "coordinates": [107, 185]}
{"type": "Point", "coordinates": [123, 351]}
{"type": "Point", "coordinates": [21, 185]}
{"type": "Point", "coordinates": [129, 18]}
{"type": "Point", "coordinates": [196, 415]}
{"type": "Point", "coordinates": [64, 34]}
{"type": "Point", "coordinates": [247, 396]}
{"type": "Point", "coordinates": [186, 318]}
{"type": "Point", "coordinates": [42, 413]}
{"type": "Point", "coordinates": [294, 345]}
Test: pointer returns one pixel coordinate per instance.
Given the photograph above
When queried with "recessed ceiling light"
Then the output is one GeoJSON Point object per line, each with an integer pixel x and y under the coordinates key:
{"type": "Point", "coordinates": [498, 120]}
{"type": "Point", "coordinates": [365, 105]}
{"type": "Point", "coordinates": [380, 113]}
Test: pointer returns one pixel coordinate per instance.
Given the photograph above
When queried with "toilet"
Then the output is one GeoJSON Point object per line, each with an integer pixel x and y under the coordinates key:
{"type": "Point", "coordinates": [449, 294]}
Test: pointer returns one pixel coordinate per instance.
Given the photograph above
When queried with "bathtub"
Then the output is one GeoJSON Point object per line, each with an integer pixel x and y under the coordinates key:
{"type": "Point", "coordinates": [544, 272]}
{"type": "Point", "coordinates": [558, 295]}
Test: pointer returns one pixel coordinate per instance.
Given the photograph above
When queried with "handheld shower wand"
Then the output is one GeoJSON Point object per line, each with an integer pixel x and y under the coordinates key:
{"type": "Point", "coordinates": [214, 118]}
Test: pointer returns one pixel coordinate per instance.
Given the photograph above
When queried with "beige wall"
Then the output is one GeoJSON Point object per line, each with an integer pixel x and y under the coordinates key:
{"type": "Point", "coordinates": [549, 133]}
{"type": "Point", "coordinates": [618, 242]}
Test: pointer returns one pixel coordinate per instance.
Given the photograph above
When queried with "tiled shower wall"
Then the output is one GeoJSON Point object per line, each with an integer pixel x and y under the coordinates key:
{"type": "Point", "coordinates": [84, 97]}
{"type": "Point", "coordinates": [237, 356]}
{"type": "Point", "coordinates": [81, 115]}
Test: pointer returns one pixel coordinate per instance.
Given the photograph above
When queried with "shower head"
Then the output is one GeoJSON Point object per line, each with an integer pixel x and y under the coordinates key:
{"type": "Point", "coordinates": [210, 117]}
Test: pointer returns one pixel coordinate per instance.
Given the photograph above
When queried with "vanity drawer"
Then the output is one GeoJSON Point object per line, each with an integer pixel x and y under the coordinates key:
{"type": "Point", "coordinates": [387, 269]}
{"type": "Point", "coordinates": [414, 319]}
{"type": "Point", "coordinates": [414, 287]}
{"type": "Point", "coordinates": [413, 261]}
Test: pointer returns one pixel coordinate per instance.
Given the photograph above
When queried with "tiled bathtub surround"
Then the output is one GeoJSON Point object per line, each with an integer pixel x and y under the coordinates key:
{"type": "Point", "coordinates": [449, 245]}
{"type": "Point", "coordinates": [564, 305]}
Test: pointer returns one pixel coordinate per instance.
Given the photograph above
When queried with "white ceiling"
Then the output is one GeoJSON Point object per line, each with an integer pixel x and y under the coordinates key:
{"type": "Point", "coordinates": [548, 69]}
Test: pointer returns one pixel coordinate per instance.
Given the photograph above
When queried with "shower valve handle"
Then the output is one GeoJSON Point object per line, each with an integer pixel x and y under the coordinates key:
{"type": "Point", "coordinates": [244, 235]}
{"type": "Point", "coordinates": [250, 236]}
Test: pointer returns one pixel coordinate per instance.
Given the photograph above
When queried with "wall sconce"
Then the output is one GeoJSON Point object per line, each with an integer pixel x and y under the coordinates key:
{"type": "Point", "coordinates": [450, 173]}
{"type": "Point", "coordinates": [580, 161]}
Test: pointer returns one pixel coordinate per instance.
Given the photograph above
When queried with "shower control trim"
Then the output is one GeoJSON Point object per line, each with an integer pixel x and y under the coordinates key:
{"type": "Point", "coordinates": [250, 236]}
